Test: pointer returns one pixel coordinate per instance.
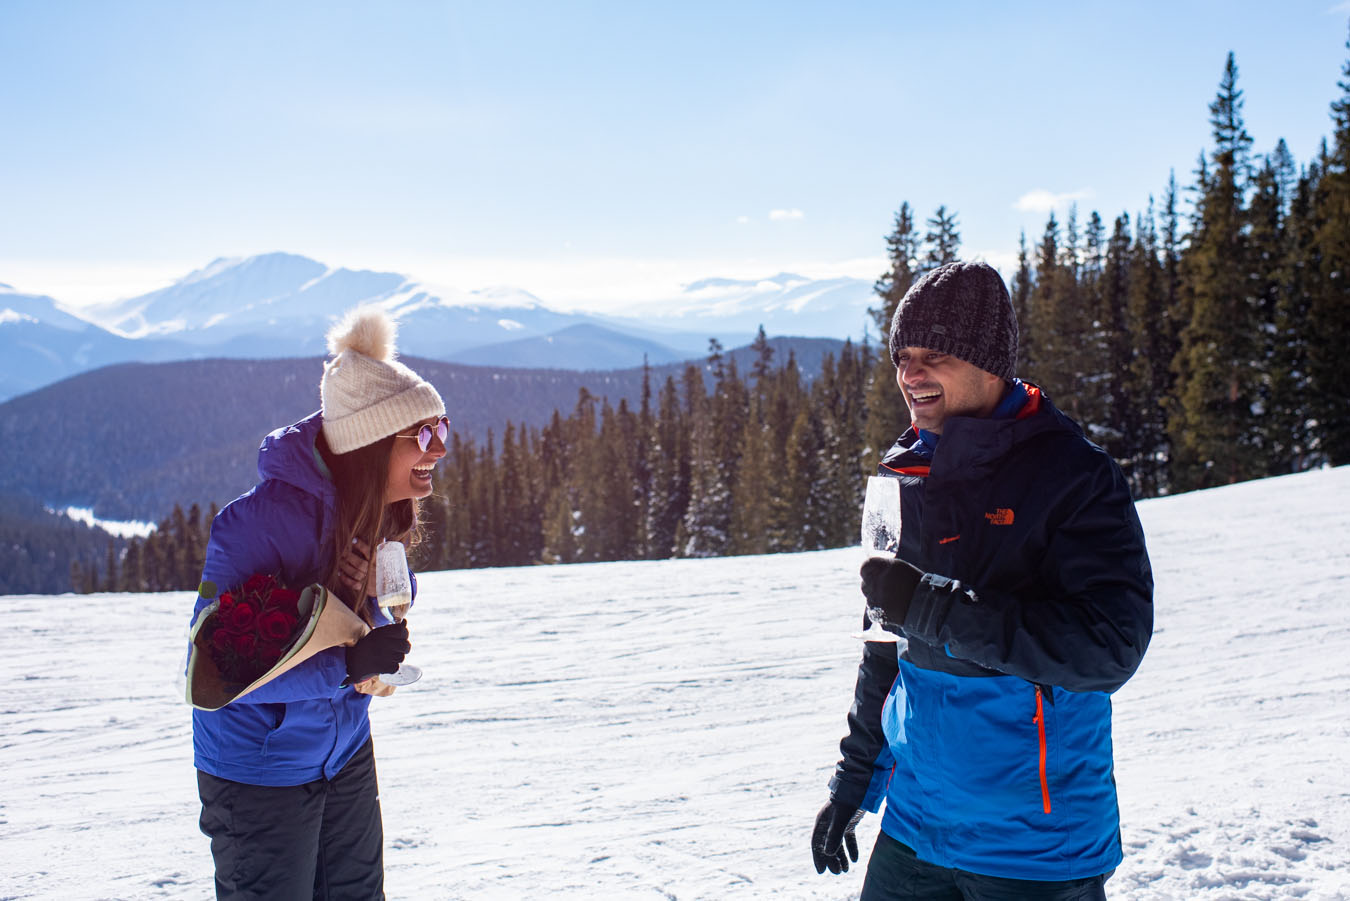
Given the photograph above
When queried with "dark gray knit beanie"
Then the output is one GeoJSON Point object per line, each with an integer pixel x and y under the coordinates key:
{"type": "Point", "coordinates": [962, 309]}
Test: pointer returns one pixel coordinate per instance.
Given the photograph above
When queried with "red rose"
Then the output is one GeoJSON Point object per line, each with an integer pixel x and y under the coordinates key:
{"type": "Point", "coordinates": [285, 599]}
{"type": "Point", "coordinates": [222, 640]}
{"type": "Point", "coordinates": [242, 614]}
{"type": "Point", "coordinates": [275, 625]}
{"type": "Point", "coordinates": [269, 653]}
{"type": "Point", "coordinates": [245, 643]}
{"type": "Point", "coordinates": [258, 583]}
{"type": "Point", "coordinates": [226, 602]}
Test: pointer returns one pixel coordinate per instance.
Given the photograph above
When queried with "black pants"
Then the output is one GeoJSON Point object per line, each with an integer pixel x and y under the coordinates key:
{"type": "Point", "coordinates": [321, 840]}
{"type": "Point", "coordinates": [895, 874]}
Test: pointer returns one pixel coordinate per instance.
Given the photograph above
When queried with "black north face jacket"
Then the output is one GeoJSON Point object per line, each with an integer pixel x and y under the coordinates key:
{"type": "Point", "coordinates": [988, 727]}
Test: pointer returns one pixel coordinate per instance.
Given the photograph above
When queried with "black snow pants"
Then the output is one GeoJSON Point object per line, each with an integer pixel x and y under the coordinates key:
{"type": "Point", "coordinates": [894, 873]}
{"type": "Point", "coordinates": [321, 840]}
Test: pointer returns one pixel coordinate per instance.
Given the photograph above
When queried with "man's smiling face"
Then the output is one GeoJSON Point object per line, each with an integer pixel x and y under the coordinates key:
{"type": "Point", "coordinates": [937, 386]}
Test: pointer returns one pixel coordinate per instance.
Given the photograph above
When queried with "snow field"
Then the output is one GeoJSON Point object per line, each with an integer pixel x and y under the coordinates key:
{"type": "Point", "coordinates": [666, 729]}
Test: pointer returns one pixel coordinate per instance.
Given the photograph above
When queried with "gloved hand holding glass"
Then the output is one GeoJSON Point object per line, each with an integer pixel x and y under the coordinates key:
{"type": "Point", "coordinates": [393, 592]}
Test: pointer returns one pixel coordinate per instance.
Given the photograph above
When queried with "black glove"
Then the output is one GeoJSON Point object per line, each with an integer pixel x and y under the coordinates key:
{"type": "Point", "coordinates": [889, 586]}
{"type": "Point", "coordinates": [833, 833]}
{"type": "Point", "coordinates": [379, 651]}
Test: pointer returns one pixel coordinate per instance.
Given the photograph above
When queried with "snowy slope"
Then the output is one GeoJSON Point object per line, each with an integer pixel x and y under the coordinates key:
{"type": "Point", "coordinates": [666, 729]}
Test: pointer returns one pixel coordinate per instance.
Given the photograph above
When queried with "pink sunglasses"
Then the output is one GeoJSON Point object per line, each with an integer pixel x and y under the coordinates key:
{"type": "Point", "coordinates": [440, 428]}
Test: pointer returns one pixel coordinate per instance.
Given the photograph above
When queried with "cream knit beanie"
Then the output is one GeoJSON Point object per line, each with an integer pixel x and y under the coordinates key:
{"type": "Point", "coordinates": [365, 394]}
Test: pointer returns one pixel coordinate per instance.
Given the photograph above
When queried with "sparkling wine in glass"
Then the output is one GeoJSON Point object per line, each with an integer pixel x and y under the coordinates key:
{"type": "Point", "coordinates": [880, 538]}
{"type": "Point", "coordinates": [393, 592]}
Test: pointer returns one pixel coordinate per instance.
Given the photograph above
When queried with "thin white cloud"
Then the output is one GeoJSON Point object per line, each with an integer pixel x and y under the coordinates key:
{"type": "Point", "coordinates": [610, 284]}
{"type": "Point", "coordinates": [1042, 201]}
{"type": "Point", "coordinates": [1005, 261]}
{"type": "Point", "coordinates": [786, 215]}
{"type": "Point", "coordinates": [79, 283]}
{"type": "Point", "coordinates": [742, 220]}
{"type": "Point", "coordinates": [1339, 8]}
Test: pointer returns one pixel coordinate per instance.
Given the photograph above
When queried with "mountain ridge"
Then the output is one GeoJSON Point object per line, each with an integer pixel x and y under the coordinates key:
{"type": "Point", "coordinates": [279, 305]}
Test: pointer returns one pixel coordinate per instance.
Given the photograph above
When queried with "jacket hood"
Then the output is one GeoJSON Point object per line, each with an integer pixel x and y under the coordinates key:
{"type": "Point", "coordinates": [289, 455]}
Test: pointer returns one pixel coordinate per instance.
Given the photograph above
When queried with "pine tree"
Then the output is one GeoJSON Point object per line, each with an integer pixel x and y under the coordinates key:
{"type": "Point", "coordinates": [943, 239]}
{"type": "Point", "coordinates": [750, 513]}
{"type": "Point", "coordinates": [838, 402]}
{"type": "Point", "coordinates": [669, 465]}
{"type": "Point", "coordinates": [1293, 404]}
{"type": "Point", "coordinates": [886, 419]}
{"type": "Point", "coordinates": [617, 528]}
{"type": "Point", "coordinates": [458, 522]}
{"type": "Point", "coordinates": [1044, 318]}
{"type": "Point", "coordinates": [1277, 393]}
{"type": "Point", "coordinates": [785, 401]}
{"type": "Point", "coordinates": [716, 460]}
{"type": "Point", "coordinates": [1147, 380]}
{"type": "Point", "coordinates": [132, 577]}
{"type": "Point", "coordinates": [1022, 285]}
{"type": "Point", "coordinates": [109, 582]}
{"type": "Point", "coordinates": [1219, 369]}
{"type": "Point", "coordinates": [643, 437]}
{"type": "Point", "coordinates": [902, 250]}
{"type": "Point", "coordinates": [1116, 426]}
{"type": "Point", "coordinates": [1329, 311]}
{"type": "Point", "coordinates": [89, 580]}
{"type": "Point", "coordinates": [520, 510]}
{"type": "Point", "coordinates": [181, 551]}
{"type": "Point", "coordinates": [561, 512]}
{"type": "Point", "coordinates": [800, 515]}
{"type": "Point", "coordinates": [194, 539]}
{"type": "Point", "coordinates": [1070, 359]}
{"type": "Point", "coordinates": [704, 530]}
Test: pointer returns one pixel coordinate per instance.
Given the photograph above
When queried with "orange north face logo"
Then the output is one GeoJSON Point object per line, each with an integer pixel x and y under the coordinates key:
{"type": "Point", "coordinates": [1000, 517]}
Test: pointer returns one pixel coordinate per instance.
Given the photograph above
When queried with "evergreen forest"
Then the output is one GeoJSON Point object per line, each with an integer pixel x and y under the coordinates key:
{"type": "Point", "coordinates": [1197, 339]}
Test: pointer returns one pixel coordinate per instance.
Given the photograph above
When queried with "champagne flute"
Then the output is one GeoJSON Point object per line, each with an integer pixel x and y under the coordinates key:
{"type": "Point", "coordinates": [880, 538]}
{"type": "Point", "coordinates": [393, 592]}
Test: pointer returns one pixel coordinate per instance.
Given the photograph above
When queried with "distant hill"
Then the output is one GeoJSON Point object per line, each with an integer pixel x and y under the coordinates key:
{"type": "Point", "coordinates": [576, 347]}
{"type": "Point", "coordinates": [133, 439]}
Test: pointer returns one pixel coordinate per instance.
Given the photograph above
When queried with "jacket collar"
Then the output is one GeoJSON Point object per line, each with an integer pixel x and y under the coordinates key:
{"type": "Point", "coordinates": [968, 440]}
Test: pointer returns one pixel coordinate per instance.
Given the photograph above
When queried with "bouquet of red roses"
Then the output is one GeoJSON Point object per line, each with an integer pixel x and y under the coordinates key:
{"type": "Point", "coordinates": [251, 635]}
{"type": "Point", "coordinates": [252, 628]}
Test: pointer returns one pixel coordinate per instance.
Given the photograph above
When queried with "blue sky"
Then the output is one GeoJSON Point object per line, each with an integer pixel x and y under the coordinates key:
{"type": "Point", "coordinates": [595, 153]}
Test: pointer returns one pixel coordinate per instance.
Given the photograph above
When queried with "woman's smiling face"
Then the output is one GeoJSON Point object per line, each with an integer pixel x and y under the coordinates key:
{"type": "Point", "coordinates": [410, 466]}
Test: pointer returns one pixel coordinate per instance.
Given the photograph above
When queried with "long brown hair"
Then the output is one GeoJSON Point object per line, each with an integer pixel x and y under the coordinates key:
{"type": "Point", "coordinates": [360, 477]}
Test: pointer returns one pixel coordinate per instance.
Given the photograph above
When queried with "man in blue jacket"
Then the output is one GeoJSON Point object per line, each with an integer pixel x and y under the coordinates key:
{"type": "Point", "coordinates": [1021, 598]}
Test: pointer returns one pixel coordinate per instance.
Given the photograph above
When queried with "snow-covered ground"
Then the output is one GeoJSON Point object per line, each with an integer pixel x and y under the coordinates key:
{"type": "Point", "coordinates": [666, 729]}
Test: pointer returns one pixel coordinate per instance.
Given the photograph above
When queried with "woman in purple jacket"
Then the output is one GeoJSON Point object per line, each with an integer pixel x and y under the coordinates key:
{"type": "Point", "coordinates": [286, 774]}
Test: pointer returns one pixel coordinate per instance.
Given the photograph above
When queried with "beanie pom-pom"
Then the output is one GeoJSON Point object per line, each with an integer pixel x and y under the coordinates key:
{"type": "Point", "coordinates": [366, 330]}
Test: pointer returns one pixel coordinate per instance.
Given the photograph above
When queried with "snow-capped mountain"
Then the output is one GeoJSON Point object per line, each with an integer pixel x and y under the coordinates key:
{"type": "Point", "coordinates": [233, 297]}
{"type": "Point", "coordinates": [786, 304]}
{"type": "Point", "coordinates": [280, 305]}
{"type": "Point", "coordinates": [41, 343]}
{"type": "Point", "coordinates": [36, 308]}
